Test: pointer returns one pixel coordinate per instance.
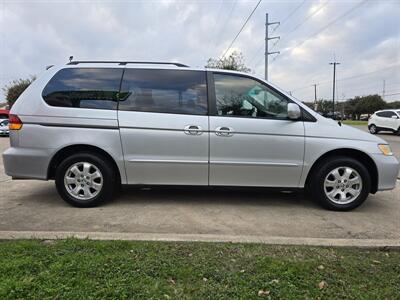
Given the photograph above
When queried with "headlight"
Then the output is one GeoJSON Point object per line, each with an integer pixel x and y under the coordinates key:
{"type": "Point", "coordinates": [385, 149]}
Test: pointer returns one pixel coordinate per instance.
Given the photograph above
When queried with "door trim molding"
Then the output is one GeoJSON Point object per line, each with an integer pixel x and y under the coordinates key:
{"type": "Point", "coordinates": [253, 163]}
{"type": "Point", "coordinates": [168, 161]}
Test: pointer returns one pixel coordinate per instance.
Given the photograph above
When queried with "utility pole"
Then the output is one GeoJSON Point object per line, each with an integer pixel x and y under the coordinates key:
{"type": "Point", "coordinates": [267, 39]}
{"type": "Point", "coordinates": [334, 85]}
{"type": "Point", "coordinates": [383, 90]}
{"type": "Point", "coordinates": [315, 96]}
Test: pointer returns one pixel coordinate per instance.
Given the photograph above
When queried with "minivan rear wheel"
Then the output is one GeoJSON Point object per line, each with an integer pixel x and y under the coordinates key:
{"type": "Point", "coordinates": [85, 180]}
{"type": "Point", "coordinates": [340, 183]}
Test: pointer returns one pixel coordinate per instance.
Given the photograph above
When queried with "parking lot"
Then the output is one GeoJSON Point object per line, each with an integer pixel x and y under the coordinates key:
{"type": "Point", "coordinates": [238, 215]}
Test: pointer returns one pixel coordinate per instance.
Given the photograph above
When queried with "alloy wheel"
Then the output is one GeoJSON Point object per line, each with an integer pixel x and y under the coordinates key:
{"type": "Point", "coordinates": [343, 185]}
{"type": "Point", "coordinates": [83, 180]}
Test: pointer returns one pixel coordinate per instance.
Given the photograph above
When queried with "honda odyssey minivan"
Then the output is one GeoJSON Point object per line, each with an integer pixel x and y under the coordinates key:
{"type": "Point", "coordinates": [92, 126]}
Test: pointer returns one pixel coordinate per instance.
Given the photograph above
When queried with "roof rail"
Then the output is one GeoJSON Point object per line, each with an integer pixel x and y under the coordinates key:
{"type": "Point", "coordinates": [126, 62]}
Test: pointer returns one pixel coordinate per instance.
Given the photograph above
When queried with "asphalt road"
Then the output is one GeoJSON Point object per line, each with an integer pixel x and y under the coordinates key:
{"type": "Point", "coordinates": [35, 206]}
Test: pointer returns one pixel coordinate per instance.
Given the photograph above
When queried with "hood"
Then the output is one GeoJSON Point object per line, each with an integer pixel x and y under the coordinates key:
{"type": "Point", "coordinates": [331, 129]}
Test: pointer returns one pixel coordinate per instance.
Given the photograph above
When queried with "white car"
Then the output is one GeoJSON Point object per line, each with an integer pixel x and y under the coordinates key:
{"type": "Point", "coordinates": [4, 129]}
{"type": "Point", "coordinates": [385, 120]}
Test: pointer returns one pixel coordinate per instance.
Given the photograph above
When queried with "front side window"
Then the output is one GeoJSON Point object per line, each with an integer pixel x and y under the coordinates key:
{"type": "Point", "coordinates": [164, 91]}
{"type": "Point", "coordinates": [381, 114]}
{"type": "Point", "coordinates": [246, 97]}
{"type": "Point", "coordinates": [84, 88]}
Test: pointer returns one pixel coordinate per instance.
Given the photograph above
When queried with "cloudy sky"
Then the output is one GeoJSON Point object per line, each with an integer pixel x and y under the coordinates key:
{"type": "Point", "coordinates": [364, 36]}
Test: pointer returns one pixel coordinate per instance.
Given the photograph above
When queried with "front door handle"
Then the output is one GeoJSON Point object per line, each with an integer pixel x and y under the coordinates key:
{"type": "Point", "coordinates": [224, 131]}
{"type": "Point", "coordinates": [192, 130]}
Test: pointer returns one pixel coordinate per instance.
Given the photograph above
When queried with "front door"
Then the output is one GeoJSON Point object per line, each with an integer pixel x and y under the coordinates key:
{"type": "Point", "coordinates": [164, 126]}
{"type": "Point", "coordinates": [252, 142]}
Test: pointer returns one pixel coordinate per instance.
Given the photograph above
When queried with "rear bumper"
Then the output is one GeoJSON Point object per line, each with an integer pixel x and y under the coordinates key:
{"type": "Point", "coordinates": [388, 171]}
{"type": "Point", "coordinates": [27, 163]}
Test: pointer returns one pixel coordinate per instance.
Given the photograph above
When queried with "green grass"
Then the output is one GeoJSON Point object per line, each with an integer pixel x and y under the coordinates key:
{"type": "Point", "coordinates": [352, 122]}
{"type": "Point", "coordinates": [84, 269]}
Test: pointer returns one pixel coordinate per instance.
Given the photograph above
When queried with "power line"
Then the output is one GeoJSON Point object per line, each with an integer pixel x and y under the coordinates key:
{"type": "Point", "coordinates": [307, 18]}
{"type": "Point", "coordinates": [296, 27]}
{"type": "Point", "coordinates": [226, 21]}
{"type": "Point", "coordinates": [377, 93]}
{"type": "Point", "coordinates": [358, 5]}
{"type": "Point", "coordinates": [393, 94]}
{"type": "Point", "coordinates": [219, 12]}
{"type": "Point", "coordinates": [350, 77]}
{"type": "Point", "coordinates": [301, 24]}
{"type": "Point", "coordinates": [290, 14]}
{"type": "Point", "coordinates": [241, 29]}
{"type": "Point", "coordinates": [281, 23]}
{"type": "Point", "coordinates": [334, 21]}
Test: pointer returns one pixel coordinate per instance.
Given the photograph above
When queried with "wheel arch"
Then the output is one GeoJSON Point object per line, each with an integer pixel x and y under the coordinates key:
{"type": "Point", "coordinates": [358, 155]}
{"type": "Point", "coordinates": [73, 149]}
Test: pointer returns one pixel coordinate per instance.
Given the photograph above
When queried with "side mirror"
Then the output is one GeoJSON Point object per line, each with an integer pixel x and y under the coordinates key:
{"type": "Point", "coordinates": [395, 117]}
{"type": "Point", "coordinates": [293, 111]}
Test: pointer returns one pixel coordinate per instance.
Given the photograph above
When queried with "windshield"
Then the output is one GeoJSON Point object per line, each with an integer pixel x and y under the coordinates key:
{"type": "Point", "coordinates": [4, 123]}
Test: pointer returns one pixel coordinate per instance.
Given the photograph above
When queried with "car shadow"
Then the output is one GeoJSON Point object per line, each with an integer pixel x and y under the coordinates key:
{"type": "Point", "coordinates": [47, 196]}
{"type": "Point", "coordinates": [212, 196]}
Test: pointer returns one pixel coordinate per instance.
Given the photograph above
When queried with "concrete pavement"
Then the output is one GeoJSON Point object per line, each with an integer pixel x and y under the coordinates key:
{"type": "Point", "coordinates": [33, 208]}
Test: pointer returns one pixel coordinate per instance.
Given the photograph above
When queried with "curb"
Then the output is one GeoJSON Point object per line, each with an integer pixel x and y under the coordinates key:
{"type": "Point", "coordinates": [272, 240]}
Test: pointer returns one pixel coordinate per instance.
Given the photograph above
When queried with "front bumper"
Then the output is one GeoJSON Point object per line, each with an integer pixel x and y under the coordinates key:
{"type": "Point", "coordinates": [26, 163]}
{"type": "Point", "coordinates": [388, 171]}
{"type": "Point", "coordinates": [4, 132]}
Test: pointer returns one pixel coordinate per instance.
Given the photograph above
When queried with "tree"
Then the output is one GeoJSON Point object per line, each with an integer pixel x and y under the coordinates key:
{"type": "Point", "coordinates": [235, 62]}
{"type": "Point", "coordinates": [14, 89]}
{"type": "Point", "coordinates": [352, 108]}
{"type": "Point", "coordinates": [324, 106]}
{"type": "Point", "coordinates": [393, 105]}
{"type": "Point", "coordinates": [310, 104]}
{"type": "Point", "coordinates": [370, 104]}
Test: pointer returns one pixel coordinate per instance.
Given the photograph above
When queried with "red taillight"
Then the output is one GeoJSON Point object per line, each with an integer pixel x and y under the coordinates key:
{"type": "Point", "coordinates": [14, 122]}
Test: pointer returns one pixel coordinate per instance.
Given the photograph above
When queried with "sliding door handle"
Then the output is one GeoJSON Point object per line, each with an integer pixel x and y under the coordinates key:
{"type": "Point", "coordinates": [192, 130]}
{"type": "Point", "coordinates": [224, 131]}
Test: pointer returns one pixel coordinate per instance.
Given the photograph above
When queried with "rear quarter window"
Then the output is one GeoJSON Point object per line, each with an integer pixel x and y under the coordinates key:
{"type": "Point", "coordinates": [95, 88]}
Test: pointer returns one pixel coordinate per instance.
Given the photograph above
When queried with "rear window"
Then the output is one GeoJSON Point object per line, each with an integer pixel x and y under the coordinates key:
{"type": "Point", "coordinates": [164, 91]}
{"type": "Point", "coordinates": [84, 88]}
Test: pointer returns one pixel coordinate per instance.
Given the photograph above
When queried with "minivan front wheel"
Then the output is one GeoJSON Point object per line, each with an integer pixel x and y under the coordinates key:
{"type": "Point", "coordinates": [341, 184]}
{"type": "Point", "coordinates": [85, 180]}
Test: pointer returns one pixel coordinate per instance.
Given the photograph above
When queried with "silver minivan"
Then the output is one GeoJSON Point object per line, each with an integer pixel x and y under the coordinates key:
{"type": "Point", "coordinates": [92, 126]}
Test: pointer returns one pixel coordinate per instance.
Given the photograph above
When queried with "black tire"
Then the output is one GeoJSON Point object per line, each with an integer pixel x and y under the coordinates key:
{"type": "Point", "coordinates": [316, 184]}
{"type": "Point", "coordinates": [107, 171]}
{"type": "Point", "coordinates": [373, 129]}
